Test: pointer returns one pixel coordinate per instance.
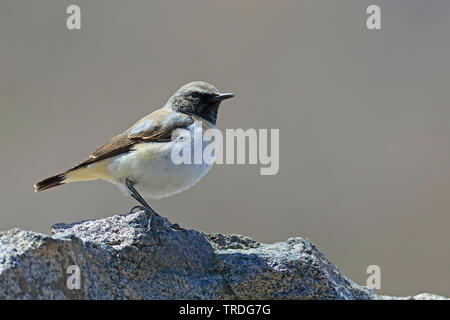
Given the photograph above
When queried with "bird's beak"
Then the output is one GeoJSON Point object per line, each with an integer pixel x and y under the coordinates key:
{"type": "Point", "coordinates": [221, 96]}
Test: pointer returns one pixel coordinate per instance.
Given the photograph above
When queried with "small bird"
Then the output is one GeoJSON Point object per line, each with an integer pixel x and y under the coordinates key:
{"type": "Point", "coordinates": [140, 158]}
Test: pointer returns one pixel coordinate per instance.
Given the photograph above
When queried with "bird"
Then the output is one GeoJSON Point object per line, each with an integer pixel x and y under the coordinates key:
{"type": "Point", "coordinates": [140, 157]}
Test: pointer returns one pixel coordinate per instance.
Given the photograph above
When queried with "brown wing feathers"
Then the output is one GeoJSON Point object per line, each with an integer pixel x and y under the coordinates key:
{"type": "Point", "coordinates": [125, 141]}
{"type": "Point", "coordinates": [160, 131]}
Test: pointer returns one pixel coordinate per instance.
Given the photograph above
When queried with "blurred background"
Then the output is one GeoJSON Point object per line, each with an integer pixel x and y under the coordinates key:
{"type": "Point", "coordinates": [363, 118]}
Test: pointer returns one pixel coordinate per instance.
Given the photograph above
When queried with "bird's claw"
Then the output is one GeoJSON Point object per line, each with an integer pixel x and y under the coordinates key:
{"type": "Point", "coordinates": [151, 214]}
{"type": "Point", "coordinates": [141, 208]}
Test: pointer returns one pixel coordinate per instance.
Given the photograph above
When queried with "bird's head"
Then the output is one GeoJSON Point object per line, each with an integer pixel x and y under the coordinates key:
{"type": "Point", "coordinates": [198, 98]}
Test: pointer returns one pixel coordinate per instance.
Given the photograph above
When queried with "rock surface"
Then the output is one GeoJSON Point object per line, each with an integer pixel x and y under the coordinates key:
{"type": "Point", "coordinates": [118, 259]}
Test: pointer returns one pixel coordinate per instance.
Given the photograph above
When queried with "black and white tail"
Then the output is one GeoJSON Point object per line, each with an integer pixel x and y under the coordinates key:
{"type": "Point", "coordinates": [50, 182]}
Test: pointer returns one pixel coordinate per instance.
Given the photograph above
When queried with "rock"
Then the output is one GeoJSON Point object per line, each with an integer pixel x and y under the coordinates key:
{"type": "Point", "coordinates": [118, 259]}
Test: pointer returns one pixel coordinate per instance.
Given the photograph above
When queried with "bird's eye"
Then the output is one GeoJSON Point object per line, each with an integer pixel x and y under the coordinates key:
{"type": "Point", "coordinates": [195, 94]}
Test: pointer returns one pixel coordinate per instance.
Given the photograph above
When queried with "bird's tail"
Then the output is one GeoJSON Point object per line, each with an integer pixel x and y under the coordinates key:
{"type": "Point", "coordinates": [50, 182]}
{"type": "Point", "coordinates": [94, 171]}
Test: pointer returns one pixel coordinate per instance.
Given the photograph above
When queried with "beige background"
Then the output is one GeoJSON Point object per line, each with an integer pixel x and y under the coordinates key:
{"type": "Point", "coordinates": [363, 118]}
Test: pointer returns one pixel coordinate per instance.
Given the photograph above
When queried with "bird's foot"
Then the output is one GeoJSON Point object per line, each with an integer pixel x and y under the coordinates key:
{"type": "Point", "coordinates": [149, 213]}
{"type": "Point", "coordinates": [133, 210]}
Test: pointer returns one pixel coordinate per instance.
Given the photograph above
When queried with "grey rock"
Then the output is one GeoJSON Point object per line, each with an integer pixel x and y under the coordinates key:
{"type": "Point", "coordinates": [118, 259]}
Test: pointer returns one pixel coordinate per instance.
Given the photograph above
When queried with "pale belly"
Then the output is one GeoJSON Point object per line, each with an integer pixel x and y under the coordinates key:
{"type": "Point", "coordinates": [151, 167]}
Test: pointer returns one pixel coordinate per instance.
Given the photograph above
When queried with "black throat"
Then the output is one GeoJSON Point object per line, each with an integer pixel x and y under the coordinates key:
{"type": "Point", "coordinates": [209, 112]}
{"type": "Point", "coordinates": [206, 111]}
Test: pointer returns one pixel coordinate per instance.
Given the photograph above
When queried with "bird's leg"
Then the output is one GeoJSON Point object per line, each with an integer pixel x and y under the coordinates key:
{"type": "Point", "coordinates": [139, 198]}
{"type": "Point", "coordinates": [144, 204]}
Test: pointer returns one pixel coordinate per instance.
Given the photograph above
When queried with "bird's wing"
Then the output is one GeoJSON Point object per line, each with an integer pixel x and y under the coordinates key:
{"type": "Point", "coordinates": [156, 127]}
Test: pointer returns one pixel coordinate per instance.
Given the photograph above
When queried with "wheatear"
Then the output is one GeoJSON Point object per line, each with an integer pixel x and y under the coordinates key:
{"type": "Point", "coordinates": [140, 158]}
